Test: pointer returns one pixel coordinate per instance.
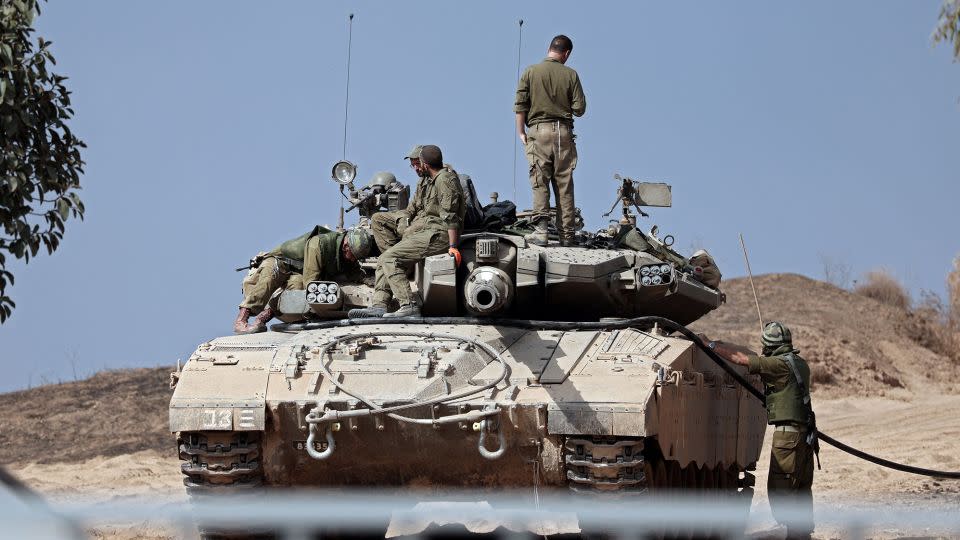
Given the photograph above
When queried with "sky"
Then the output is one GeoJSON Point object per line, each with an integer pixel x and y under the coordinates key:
{"type": "Point", "coordinates": [819, 130]}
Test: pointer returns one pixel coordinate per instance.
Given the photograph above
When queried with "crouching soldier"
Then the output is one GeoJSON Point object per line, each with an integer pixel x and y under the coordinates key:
{"type": "Point", "coordinates": [317, 255]}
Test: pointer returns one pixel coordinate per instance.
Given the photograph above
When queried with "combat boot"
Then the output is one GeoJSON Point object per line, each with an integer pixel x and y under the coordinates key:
{"type": "Point", "coordinates": [260, 322]}
{"type": "Point", "coordinates": [539, 235]}
{"type": "Point", "coordinates": [569, 242]}
{"type": "Point", "coordinates": [406, 310]}
{"type": "Point", "coordinates": [240, 325]}
{"type": "Point", "coordinates": [367, 313]}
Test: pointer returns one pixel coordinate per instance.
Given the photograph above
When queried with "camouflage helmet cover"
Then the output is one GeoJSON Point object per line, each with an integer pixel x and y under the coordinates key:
{"type": "Point", "coordinates": [359, 242]}
{"type": "Point", "coordinates": [775, 334]}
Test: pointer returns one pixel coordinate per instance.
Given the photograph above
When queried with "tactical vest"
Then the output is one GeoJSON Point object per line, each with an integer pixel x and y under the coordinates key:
{"type": "Point", "coordinates": [293, 249]}
{"type": "Point", "coordinates": [786, 404]}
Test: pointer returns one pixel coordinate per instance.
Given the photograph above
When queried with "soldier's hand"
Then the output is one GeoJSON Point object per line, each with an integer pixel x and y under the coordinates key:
{"type": "Point", "coordinates": [523, 137]}
{"type": "Point", "coordinates": [455, 253]}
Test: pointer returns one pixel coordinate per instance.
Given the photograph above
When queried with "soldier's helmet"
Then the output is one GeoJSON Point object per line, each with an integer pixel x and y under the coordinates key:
{"type": "Point", "coordinates": [775, 334]}
{"type": "Point", "coordinates": [359, 242]}
{"type": "Point", "coordinates": [383, 179]}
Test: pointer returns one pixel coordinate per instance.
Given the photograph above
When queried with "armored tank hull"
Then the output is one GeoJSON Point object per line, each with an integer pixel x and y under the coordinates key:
{"type": "Point", "coordinates": [621, 409]}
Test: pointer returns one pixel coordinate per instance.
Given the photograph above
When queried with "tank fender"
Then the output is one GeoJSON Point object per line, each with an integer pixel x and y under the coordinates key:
{"type": "Point", "coordinates": [222, 388]}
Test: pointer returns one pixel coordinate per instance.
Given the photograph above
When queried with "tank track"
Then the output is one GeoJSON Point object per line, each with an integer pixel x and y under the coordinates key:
{"type": "Point", "coordinates": [605, 465]}
{"type": "Point", "coordinates": [623, 466]}
{"type": "Point", "coordinates": [220, 461]}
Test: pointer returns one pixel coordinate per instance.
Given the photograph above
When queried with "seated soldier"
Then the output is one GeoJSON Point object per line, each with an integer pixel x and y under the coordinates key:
{"type": "Point", "coordinates": [317, 255]}
{"type": "Point", "coordinates": [436, 218]}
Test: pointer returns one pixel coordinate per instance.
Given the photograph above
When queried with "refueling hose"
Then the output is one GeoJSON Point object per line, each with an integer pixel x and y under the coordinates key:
{"type": "Point", "coordinates": [636, 322]}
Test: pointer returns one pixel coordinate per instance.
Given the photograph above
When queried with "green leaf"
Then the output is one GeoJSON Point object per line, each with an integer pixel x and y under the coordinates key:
{"type": "Point", "coordinates": [64, 208]}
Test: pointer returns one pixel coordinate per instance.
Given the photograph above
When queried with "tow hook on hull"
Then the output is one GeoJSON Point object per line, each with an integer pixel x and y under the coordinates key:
{"type": "Point", "coordinates": [311, 440]}
{"type": "Point", "coordinates": [481, 442]}
{"type": "Point", "coordinates": [485, 422]}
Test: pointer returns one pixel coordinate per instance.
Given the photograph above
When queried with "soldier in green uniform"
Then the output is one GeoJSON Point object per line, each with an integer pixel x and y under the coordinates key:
{"type": "Point", "coordinates": [436, 219]}
{"type": "Point", "coordinates": [319, 254]}
{"type": "Point", "coordinates": [388, 227]}
{"type": "Point", "coordinates": [549, 95]}
{"type": "Point", "coordinates": [786, 381]}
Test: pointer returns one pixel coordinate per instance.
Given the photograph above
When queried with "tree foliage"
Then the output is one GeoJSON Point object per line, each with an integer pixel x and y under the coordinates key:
{"type": "Point", "coordinates": [40, 164]}
{"type": "Point", "coordinates": [948, 26]}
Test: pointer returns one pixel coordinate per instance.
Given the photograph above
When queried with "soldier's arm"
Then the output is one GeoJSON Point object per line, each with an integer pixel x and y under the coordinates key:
{"type": "Point", "coordinates": [522, 126]}
{"type": "Point", "coordinates": [579, 101]}
{"type": "Point", "coordinates": [732, 355]}
{"type": "Point", "coordinates": [451, 198]}
{"type": "Point", "coordinates": [521, 105]}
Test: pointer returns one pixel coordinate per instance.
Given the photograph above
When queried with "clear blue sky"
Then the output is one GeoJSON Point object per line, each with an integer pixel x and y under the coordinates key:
{"type": "Point", "coordinates": [815, 128]}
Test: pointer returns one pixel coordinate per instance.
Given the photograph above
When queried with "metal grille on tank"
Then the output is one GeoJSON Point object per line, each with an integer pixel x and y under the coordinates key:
{"type": "Point", "coordinates": [487, 249]}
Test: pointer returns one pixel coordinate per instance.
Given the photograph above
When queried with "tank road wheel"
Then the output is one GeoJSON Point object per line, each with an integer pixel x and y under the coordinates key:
{"type": "Point", "coordinates": [726, 480]}
{"type": "Point", "coordinates": [221, 462]}
{"type": "Point", "coordinates": [689, 477]}
{"type": "Point", "coordinates": [674, 476]}
{"type": "Point", "coordinates": [656, 475]}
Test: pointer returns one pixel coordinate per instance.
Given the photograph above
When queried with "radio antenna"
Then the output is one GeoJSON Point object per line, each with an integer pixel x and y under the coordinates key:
{"type": "Point", "coordinates": [346, 110]}
{"type": "Point", "coordinates": [514, 135]}
{"type": "Point", "coordinates": [346, 104]}
{"type": "Point", "coordinates": [756, 298]}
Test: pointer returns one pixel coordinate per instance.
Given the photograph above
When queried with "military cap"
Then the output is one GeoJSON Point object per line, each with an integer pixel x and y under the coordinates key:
{"type": "Point", "coordinates": [359, 242]}
{"type": "Point", "coordinates": [415, 153]}
{"type": "Point", "coordinates": [432, 156]}
{"type": "Point", "coordinates": [776, 334]}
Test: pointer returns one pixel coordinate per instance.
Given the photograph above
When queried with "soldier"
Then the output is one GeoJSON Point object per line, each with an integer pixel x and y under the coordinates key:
{"type": "Point", "coordinates": [317, 255]}
{"type": "Point", "coordinates": [388, 227]}
{"type": "Point", "coordinates": [786, 381]}
{"type": "Point", "coordinates": [549, 95]}
{"type": "Point", "coordinates": [436, 218]}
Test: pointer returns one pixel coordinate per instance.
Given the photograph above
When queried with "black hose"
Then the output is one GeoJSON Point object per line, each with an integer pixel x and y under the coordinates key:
{"type": "Point", "coordinates": [606, 325]}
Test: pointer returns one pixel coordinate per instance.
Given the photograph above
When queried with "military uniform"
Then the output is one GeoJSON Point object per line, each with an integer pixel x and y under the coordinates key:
{"type": "Point", "coordinates": [551, 95]}
{"type": "Point", "coordinates": [437, 206]}
{"type": "Point", "coordinates": [791, 456]}
{"type": "Point", "coordinates": [320, 254]}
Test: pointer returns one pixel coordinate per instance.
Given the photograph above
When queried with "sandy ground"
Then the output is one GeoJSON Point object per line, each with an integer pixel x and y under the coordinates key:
{"type": "Point", "coordinates": [923, 432]}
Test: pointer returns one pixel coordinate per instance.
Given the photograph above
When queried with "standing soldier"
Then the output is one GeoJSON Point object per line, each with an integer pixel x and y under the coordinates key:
{"type": "Point", "coordinates": [786, 381]}
{"type": "Point", "coordinates": [549, 95]}
{"type": "Point", "coordinates": [436, 219]}
{"type": "Point", "coordinates": [316, 255]}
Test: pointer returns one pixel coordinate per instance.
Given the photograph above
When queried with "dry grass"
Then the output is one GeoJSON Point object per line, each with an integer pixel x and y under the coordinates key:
{"type": "Point", "coordinates": [953, 293]}
{"type": "Point", "coordinates": [821, 374]}
{"type": "Point", "coordinates": [883, 287]}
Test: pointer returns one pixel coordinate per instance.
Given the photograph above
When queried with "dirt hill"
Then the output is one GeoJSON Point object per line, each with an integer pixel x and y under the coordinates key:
{"type": "Point", "coordinates": [856, 346]}
{"type": "Point", "coordinates": [109, 414]}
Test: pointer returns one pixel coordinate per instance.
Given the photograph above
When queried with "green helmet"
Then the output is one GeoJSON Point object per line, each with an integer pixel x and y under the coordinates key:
{"type": "Point", "coordinates": [776, 334]}
{"type": "Point", "coordinates": [359, 242]}
{"type": "Point", "coordinates": [383, 179]}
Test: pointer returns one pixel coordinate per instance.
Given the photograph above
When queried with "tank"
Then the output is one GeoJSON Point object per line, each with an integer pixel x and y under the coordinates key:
{"type": "Point", "coordinates": [572, 358]}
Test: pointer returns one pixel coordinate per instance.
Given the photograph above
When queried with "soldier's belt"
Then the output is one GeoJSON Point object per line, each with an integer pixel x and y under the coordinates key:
{"type": "Point", "coordinates": [788, 427]}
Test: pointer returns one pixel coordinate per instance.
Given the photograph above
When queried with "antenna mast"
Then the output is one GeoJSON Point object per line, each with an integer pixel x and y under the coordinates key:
{"type": "Point", "coordinates": [346, 110]}
{"type": "Point", "coordinates": [514, 135]}
{"type": "Point", "coordinates": [750, 273]}
{"type": "Point", "coordinates": [346, 104]}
